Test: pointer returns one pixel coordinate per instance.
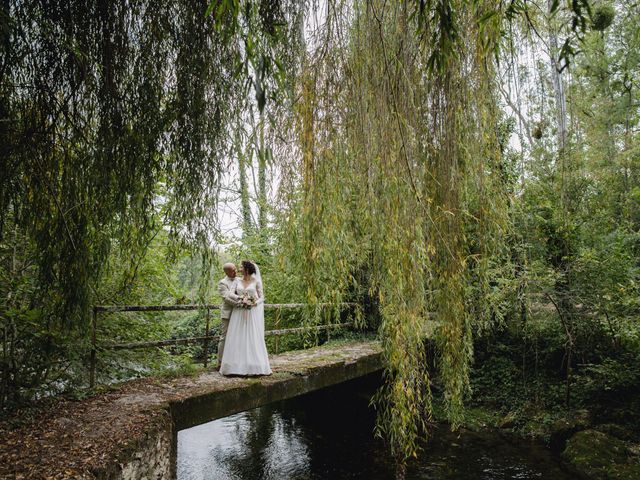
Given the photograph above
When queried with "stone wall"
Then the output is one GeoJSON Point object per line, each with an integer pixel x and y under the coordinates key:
{"type": "Point", "coordinates": [151, 458]}
{"type": "Point", "coordinates": [156, 459]}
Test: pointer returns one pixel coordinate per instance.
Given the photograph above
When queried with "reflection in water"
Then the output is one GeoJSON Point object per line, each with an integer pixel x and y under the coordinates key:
{"type": "Point", "coordinates": [328, 435]}
{"type": "Point", "coordinates": [251, 444]}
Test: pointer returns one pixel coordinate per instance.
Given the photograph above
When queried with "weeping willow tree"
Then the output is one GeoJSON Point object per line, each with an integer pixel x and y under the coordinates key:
{"type": "Point", "coordinates": [113, 126]}
{"type": "Point", "coordinates": [400, 186]}
{"type": "Point", "coordinates": [103, 103]}
{"type": "Point", "coordinates": [113, 121]}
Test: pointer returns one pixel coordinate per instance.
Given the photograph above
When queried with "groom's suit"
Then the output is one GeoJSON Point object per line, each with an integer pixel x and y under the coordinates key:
{"type": "Point", "coordinates": [227, 290]}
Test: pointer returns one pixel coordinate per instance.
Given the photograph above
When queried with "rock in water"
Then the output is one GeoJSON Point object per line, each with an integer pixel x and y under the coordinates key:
{"type": "Point", "coordinates": [600, 456]}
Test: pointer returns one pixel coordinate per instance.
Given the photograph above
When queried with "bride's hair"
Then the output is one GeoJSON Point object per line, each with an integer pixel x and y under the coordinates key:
{"type": "Point", "coordinates": [248, 267]}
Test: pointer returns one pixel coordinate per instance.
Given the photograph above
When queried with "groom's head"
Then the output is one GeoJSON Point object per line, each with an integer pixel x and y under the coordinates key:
{"type": "Point", "coordinates": [229, 270]}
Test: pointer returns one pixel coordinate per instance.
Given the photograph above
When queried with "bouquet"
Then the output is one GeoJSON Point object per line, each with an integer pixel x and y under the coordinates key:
{"type": "Point", "coordinates": [247, 301]}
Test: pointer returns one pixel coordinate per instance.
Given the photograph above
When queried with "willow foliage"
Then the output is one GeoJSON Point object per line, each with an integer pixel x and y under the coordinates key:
{"type": "Point", "coordinates": [400, 186]}
{"type": "Point", "coordinates": [113, 126]}
{"type": "Point", "coordinates": [103, 103]}
{"type": "Point", "coordinates": [113, 121]}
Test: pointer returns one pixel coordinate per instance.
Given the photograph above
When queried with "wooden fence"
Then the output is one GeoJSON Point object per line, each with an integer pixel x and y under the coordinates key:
{"type": "Point", "coordinates": [205, 339]}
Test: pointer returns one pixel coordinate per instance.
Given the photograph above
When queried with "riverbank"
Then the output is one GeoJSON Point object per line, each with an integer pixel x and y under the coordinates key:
{"type": "Point", "coordinates": [588, 448]}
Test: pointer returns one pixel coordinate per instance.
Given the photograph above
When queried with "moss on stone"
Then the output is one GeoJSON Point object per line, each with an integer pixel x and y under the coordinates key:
{"type": "Point", "coordinates": [281, 375]}
{"type": "Point", "coordinates": [564, 427]}
{"type": "Point", "coordinates": [599, 456]}
{"type": "Point", "coordinates": [628, 471]}
{"type": "Point", "coordinates": [616, 430]}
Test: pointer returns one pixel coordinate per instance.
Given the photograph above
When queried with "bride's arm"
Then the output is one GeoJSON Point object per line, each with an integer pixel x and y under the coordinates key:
{"type": "Point", "coordinates": [260, 293]}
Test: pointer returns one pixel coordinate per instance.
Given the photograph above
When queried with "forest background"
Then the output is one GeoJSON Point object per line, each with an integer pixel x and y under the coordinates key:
{"type": "Point", "coordinates": [477, 160]}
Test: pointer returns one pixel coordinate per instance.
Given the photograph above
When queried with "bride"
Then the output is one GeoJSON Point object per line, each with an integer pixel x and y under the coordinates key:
{"type": "Point", "coordinates": [245, 352]}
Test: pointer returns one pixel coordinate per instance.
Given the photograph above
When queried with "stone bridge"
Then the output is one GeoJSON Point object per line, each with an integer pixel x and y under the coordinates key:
{"type": "Point", "coordinates": [130, 432]}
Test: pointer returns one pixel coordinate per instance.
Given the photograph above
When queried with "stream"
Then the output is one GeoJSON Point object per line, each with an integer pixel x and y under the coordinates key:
{"type": "Point", "coordinates": [328, 435]}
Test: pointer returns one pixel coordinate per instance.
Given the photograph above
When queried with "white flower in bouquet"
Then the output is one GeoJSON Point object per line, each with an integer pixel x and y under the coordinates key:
{"type": "Point", "coordinates": [247, 301]}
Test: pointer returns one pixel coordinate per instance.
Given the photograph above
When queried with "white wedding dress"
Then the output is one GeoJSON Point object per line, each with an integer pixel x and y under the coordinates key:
{"type": "Point", "coordinates": [245, 352]}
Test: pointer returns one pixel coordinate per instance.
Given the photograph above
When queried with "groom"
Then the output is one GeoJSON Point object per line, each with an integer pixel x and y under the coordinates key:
{"type": "Point", "coordinates": [227, 289]}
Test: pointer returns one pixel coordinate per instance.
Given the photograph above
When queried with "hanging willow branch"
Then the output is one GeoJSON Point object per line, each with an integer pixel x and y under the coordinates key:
{"type": "Point", "coordinates": [397, 132]}
{"type": "Point", "coordinates": [114, 123]}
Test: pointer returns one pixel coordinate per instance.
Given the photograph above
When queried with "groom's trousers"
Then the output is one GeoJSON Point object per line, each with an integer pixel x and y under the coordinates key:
{"type": "Point", "coordinates": [224, 325]}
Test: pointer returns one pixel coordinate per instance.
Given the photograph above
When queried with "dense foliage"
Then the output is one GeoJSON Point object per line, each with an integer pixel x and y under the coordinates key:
{"type": "Point", "coordinates": [465, 168]}
{"type": "Point", "coordinates": [113, 137]}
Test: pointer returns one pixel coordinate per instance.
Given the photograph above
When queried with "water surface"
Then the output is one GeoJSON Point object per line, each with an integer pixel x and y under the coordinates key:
{"type": "Point", "coordinates": [328, 435]}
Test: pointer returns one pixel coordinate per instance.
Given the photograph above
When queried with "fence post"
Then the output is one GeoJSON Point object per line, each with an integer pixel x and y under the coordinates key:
{"type": "Point", "coordinates": [206, 340]}
{"type": "Point", "coordinates": [92, 357]}
{"type": "Point", "coordinates": [277, 328]}
{"type": "Point", "coordinates": [329, 325]}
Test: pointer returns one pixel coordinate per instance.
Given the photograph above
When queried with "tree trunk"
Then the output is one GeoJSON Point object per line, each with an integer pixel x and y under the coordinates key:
{"type": "Point", "coordinates": [563, 261]}
{"type": "Point", "coordinates": [561, 105]}
{"type": "Point", "coordinates": [262, 179]}
{"type": "Point", "coordinates": [245, 205]}
{"type": "Point", "coordinates": [558, 90]}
